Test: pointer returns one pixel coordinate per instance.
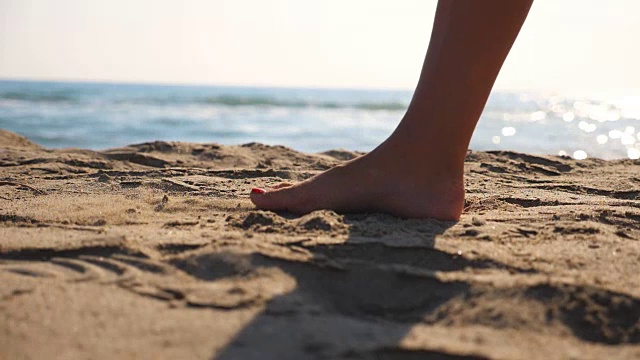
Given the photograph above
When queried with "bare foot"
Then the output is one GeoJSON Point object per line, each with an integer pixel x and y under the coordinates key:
{"type": "Point", "coordinates": [418, 171]}
{"type": "Point", "coordinates": [391, 179]}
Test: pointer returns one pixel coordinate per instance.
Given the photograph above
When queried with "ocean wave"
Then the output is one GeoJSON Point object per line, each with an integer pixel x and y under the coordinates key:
{"type": "Point", "coordinates": [38, 97]}
{"type": "Point", "coordinates": [108, 95]}
{"type": "Point", "coordinates": [266, 101]}
{"type": "Point", "coordinates": [258, 101]}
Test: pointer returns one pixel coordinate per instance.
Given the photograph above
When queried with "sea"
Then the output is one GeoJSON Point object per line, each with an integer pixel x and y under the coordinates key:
{"type": "Point", "coordinates": [109, 115]}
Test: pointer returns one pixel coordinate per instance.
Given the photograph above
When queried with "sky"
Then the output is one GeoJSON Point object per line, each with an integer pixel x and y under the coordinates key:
{"type": "Point", "coordinates": [564, 44]}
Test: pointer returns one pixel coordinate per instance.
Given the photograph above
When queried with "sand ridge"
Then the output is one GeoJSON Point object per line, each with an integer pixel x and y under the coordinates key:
{"type": "Point", "coordinates": [154, 251]}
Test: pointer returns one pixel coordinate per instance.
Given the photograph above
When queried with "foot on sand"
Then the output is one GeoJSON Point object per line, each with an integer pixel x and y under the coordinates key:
{"type": "Point", "coordinates": [392, 179]}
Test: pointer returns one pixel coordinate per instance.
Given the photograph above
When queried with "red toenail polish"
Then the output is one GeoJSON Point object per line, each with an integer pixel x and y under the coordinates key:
{"type": "Point", "coordinates": [258, 191]}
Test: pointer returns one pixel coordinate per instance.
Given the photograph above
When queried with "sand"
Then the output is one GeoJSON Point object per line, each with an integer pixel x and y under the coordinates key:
{"type": "Point", "coordinates": [155, 251]}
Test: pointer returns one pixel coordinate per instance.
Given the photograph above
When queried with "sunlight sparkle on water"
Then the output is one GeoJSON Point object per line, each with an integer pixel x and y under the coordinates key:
{"type": "Point", "coordinates": [630, 106]}
{"type": "Point", "coordinates": [538, 115]}
{"type": "Point", "coordinates": [598, 111]}
{"type": "Point", "coordinates": [633, 153]}
{"type": "Point", "coordinates": [627, 139]}
{"type": "Point", "coordinates": [579, 155]}
{"type": "Point", "coordinates": [508, 131]}
{"type": "Point", "coordinates": [615, 134]}
{"type": "Point", "coordinates": [568, 117]}
{"type": "Point", "coordinates": [602, 139]}
{"type": "Point", "coordinates": [586, 127]}
{"type": "Point", "coordinates": [495, 140]}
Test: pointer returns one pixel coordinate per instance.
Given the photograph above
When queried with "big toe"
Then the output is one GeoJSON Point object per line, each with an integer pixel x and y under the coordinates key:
{"type": "Point", "coordinates": [283, 198]}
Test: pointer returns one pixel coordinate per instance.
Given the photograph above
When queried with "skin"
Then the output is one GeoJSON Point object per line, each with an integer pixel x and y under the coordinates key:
{"type": "Point", "coordinates": [418, 172]}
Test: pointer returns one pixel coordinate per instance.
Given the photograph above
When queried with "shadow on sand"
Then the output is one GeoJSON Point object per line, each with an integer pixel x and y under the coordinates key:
{"type": "Point", "coordinates": [355, 300]}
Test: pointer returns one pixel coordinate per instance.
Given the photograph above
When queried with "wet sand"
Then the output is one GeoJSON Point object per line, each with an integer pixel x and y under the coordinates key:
{"type": "Point", "coordinates": [155, 251]}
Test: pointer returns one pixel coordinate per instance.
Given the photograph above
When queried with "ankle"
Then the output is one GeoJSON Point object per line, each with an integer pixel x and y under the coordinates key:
{"type": "Point", "coordinates": [422, 162]}
{"type": "Point", "coordinates": [442, 147]}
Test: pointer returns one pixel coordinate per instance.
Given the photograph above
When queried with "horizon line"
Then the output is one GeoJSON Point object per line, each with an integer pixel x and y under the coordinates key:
{"type": "Point", "coordinates": [632, 91]}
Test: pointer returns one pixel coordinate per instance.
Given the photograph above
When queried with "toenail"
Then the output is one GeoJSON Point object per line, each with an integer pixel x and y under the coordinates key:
{"type": "Point", "coordinates": [258, 191]}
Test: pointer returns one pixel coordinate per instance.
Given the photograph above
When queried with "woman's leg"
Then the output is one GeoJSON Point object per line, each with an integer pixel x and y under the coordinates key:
{"type": "Point", "coordinates": [418, 170]}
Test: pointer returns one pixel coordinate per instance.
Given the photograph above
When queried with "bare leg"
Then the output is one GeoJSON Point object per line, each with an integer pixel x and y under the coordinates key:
{"type": "Point", "coordinates": [418, 171]}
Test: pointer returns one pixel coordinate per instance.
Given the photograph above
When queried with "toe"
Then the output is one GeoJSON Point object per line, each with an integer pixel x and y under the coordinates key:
{"type": "Point", "coordinates": [282, 185]}
{"type": "Point", "coordinates": [283, 198]}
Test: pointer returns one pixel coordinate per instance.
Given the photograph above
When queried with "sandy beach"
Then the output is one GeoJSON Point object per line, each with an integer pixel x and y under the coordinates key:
{"type": "Point", "coordinates": [154, 251]}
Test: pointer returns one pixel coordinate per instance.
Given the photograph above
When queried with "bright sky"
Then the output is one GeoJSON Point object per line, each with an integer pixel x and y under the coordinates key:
{"type": "Point", "coordinates": [565, 44]}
